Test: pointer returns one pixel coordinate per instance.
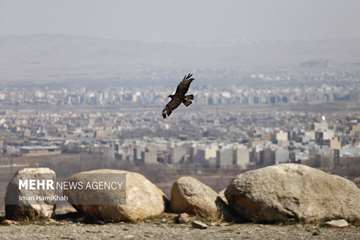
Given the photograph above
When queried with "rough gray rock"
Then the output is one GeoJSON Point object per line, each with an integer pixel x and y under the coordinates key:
{"type": "Point", "coordinates": [8, 222]}
{"type": "Point", "coordinates": [183, 218]}
{"type": "Point", "coordinates": [191, 196]}
{"type": "Point", "coordinates": [199, 225]}
{"type": "Point", "coordinates": [340, 223]}
{"type": "Point", "coordinates": [136, 200]}
{"type": "Point", "coordinates": [293, 192]}
{"type": "Point", "coordinates": [30, 204]}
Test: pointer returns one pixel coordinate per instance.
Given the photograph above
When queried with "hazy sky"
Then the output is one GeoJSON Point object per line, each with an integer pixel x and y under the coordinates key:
{"type": "Point", "coordinates": [185, 20]}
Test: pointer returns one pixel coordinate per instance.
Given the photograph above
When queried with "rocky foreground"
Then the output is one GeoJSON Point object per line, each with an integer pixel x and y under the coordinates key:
{"type": "Point", "coordinates": [297, 202]}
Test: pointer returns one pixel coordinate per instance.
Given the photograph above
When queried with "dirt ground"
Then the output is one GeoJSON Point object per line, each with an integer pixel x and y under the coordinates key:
{"type": "Point", "coordinates": [164, 228]}
{"type": "Point", "coordinates": [173, 232]}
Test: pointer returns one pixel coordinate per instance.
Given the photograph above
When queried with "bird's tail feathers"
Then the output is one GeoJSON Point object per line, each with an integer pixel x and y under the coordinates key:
{"type": "Point", "coordinates": [187, 102]}
{"type": "Point", "coordinates": [189, 97]}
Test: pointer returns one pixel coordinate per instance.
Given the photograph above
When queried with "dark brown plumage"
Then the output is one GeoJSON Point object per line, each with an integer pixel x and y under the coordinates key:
{"type": "Point", "coordinates": [179, 96]}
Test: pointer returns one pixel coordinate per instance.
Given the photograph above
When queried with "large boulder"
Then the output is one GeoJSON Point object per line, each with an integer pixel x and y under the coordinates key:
{"type": "Point", "coordinates": [131, 198]}
{"type": "Point", "coordinates": [30, 195]}
{"type": "Point", "coordinates": [191, 196]}
{"type": "Point", "coordinates": [293, 192]}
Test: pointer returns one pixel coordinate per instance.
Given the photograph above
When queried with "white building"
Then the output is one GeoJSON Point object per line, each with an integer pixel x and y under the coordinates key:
{"type": "Point", "coordinates": [242, 156]}
{"type": "Point", "coordinates": [225, 157]}
{"type": "Point", "coordinates": [282, 138]}
{"type": "Point", "coordinates": [282, 156]}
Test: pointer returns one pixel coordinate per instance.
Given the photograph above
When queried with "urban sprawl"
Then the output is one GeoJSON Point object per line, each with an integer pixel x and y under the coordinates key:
{"type": "Point", "coordinates": [215, 132]}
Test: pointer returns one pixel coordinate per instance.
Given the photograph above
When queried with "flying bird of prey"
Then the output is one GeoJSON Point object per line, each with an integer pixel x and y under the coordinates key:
{"type": "Point", "coordinates": [179, 96]}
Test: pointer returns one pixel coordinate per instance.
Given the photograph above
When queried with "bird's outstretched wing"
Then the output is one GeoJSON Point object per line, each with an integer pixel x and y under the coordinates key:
{"type": "Point", "coordinates": [184, 85]}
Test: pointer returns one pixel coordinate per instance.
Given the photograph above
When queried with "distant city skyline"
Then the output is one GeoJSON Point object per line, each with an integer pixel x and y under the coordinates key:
{"type": "Point", "coordinates": [180, 21]}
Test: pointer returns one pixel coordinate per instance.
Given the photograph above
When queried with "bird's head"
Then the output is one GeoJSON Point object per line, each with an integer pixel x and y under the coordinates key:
{"type": "Point", "coordinates": [171, 96]}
